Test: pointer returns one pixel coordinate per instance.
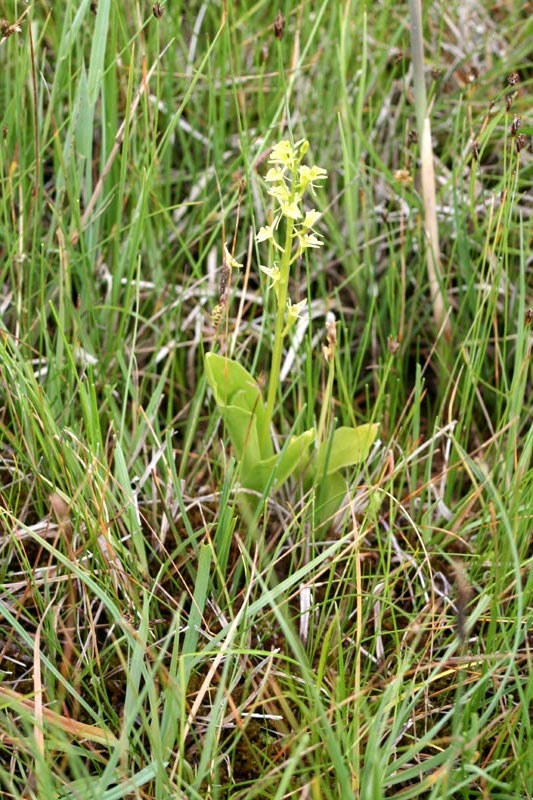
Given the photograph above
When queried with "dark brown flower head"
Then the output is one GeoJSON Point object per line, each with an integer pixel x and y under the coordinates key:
{"type": "Point", "coordinates": [393, 345]}
{"type": "Point", "coordinates": [224, 281]}
{"type": "Point", "coordinates": [516, 123]}
{"type": "Point", "coordinates": [521, 142]}
{"type": "Point", "coordinates": [279, 25]}
{"type": "Point", "coordinates": [473, 73]}
{"type": "Point", "coordinates": [331, 330]}
{"type": "Point", "coordinates": [158, 10]}
{"type": "Point", "coordinates": [513, 79]}
{"type": "Point", "coordinates": [8, 30]}
{"type": "Point", "coordinates": [463, 597]}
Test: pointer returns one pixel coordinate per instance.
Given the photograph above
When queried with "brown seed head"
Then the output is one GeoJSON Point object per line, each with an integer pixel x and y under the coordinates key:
{"type": "Point", "coordinates": [393, 345]}
{"type": "Point", "coordinates": [463, 597]}
{"type": "Point", "coordinates": [403, 176]}
{"type": "Point", "coordinates": [279, 25]}
{"type": "Point", "coordinates": [521, 142]}
{"type": "Point", "coordinates": [8, 30]}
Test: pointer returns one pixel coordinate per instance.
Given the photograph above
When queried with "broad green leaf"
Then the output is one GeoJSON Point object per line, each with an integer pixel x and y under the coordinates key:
{"type": "Point", "coordinates": [293, 458]}
{"type": "Point", "coordinates": [348, 447]}
{"type": "Point", "coordinates": [242, 429]}
{"type": "Point", "coordinates": [227, 378]}
{"type": "Point", "coordinates": [330, 495]}
{"type": "Point", "coordinates": [234, 387]}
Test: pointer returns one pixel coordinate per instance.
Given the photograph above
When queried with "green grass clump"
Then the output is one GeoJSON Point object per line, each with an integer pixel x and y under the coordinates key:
{"type": "Point", "coordinates": [155, 641]}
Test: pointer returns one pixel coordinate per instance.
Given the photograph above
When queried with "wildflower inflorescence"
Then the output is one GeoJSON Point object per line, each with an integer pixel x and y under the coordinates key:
{"type": "Point", "coordinates": [316, 457]}
{"type": "Point", "coordinates": [288, 181]}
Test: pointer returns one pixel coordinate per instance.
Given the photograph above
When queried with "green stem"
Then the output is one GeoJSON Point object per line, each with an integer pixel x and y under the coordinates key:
{"type": "Point", "coordinates": [277, 349]}
{"type": "Point", "coordinates": [327, 405]}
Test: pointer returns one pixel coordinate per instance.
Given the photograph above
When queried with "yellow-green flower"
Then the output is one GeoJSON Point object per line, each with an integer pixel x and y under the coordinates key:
{"type": "Point", "coordinates": [229, 261]}
{"type": "Point", "coordinates": [304, 147]}
{"type": "Point", "coordinates": [308, 176]}
{"type": "Point", "coordinates": [288, 203]}
{"type": "Point", "coordinates": [290, 210]}
{"type": "Point", "coordinates": [265, 234]}
{"type": "Point", "coordinates": [273, 273]}
{"type": "Point", "coordinates": [283, 153]}
{"type": "Point", "coordinates": [275, 175]}
{"type": "Point", "coordinates": [280, 192]}
{"type": "Point", "coordinates": [311, 218]}
{"type": "Point", "coordinates": [306, 241]}
{"type": "Point", "coordinates": [294, 311]}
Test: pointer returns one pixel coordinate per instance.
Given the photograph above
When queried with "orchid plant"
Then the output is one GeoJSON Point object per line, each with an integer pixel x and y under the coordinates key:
{"type": "Point", "coordinates": [318, 458]}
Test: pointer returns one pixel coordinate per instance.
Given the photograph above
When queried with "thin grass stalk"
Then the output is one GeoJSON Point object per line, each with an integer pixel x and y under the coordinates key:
{"type": "Point", "coordinates": [427, 173]}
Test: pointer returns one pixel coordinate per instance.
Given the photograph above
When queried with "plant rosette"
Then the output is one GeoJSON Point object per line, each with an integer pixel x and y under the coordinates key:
{"type": "Point", "coordinates": [322, 465]}
{"type": "Point", "coordinates": [320, 461]}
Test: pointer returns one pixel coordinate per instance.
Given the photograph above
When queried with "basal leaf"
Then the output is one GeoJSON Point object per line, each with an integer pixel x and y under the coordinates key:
{"type": "Point", "coordinates": [349, 446]}
{"type": "Point", "coordinates": [234, 387]}
{"type": "Point", "coordinates": [293, 458]}
{"type": "Point", "coordinates": [227, 377]}
{"type": "Point", "coordinates": [242, 429]}
{"type": "Point", "coordinates": [330, 495]}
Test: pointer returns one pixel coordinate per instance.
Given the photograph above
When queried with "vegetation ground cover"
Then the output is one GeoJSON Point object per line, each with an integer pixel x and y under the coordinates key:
{"type": "Point", "coordinates": [157, 638]}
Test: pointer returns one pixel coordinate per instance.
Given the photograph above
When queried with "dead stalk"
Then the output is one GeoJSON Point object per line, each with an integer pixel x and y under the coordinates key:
{"type": "Point", "coordinates": [427, 174]}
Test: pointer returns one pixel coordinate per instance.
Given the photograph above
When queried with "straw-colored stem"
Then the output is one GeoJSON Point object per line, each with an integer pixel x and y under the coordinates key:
{"type": "Point", "coordinates": [427, 173]}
